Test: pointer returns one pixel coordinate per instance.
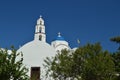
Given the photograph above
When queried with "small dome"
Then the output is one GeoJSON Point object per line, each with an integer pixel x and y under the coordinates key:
{"type": "Point", "coordinates": [59, 37]}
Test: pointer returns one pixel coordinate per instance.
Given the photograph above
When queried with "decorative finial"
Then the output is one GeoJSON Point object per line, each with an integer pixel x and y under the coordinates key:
{"type": "Point", "coordinates": [59, 34]}
{"type": "Point", "coordinates": [40, 16]}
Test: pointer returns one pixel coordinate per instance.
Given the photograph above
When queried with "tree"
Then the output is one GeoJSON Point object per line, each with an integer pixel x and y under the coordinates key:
{"type": "Point", "coordinates": [89, 62]}
{"type": "Point", "coordinates": [59, 67]}
{"type": "Point", "coordinates": [10, 68]}
{"type": "Point", "coordinates": [116, 60]}
{"type": "Point", "coordinates": [117, 40]}
{"type": "Point", "coordinates": [116, 56]}
{"type": "Point", "coordinates": [98, 64]}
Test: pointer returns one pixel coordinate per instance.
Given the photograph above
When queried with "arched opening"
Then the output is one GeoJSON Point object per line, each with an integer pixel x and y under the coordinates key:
{"type": "Point", "coordinates": [40, 37]}
{"type": "Point", "coordinates": [40, 22]}
{"type": "Point", "coordinates": [40, 30]}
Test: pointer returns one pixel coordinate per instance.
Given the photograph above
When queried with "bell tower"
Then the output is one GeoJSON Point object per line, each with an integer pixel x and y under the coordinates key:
{"type": "Point", "coordinates": [40, 30]}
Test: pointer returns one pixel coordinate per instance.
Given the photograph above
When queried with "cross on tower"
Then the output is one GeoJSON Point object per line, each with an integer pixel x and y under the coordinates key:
{"type": "Point", "coordinates": [40, 16]}
{"type": "Point", "coordinates": [59, 34]}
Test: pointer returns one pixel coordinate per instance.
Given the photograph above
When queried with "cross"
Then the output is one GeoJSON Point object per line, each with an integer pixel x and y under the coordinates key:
{"type": "Point", "coordinates": [59, 34]}
{"type": "Point", "coordinates": [40, 16]}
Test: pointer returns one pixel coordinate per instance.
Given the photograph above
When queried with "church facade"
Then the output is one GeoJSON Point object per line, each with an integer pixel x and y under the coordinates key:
{"type": "Point", "coordinates": [34, 52]}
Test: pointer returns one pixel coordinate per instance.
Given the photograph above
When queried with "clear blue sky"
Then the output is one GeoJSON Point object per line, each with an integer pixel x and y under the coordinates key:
{"type": "Point", "coordinates": [88, 20]}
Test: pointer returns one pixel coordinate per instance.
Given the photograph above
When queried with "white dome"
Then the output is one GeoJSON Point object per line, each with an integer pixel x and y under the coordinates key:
{"type": "Point", "coordinates": [35, 52]}
{"type": "Point", "coordinates": [59, 43]}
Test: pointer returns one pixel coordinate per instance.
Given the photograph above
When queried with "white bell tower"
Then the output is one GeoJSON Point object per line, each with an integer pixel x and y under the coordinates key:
{"type": "Point", "coordinates": [40, 30]}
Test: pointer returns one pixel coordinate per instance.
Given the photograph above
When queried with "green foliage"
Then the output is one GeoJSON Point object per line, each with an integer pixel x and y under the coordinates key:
{"type": "Point", "coordinates": [98, 64]}
{"type": "Point", "coordinates": [59, 66]}
{"type": "Point", "coordinates": [10, 68]}
{"type": "Point", "coordinates": [89, 62]}
{"type": "Point", "coordinates": [116, 59]}
{"type": "Point", "coordinates": [116, 39]}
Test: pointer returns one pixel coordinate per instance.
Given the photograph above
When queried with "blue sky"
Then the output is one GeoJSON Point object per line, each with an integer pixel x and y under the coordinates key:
{"type": "Point", "coordinates": [88, 20]}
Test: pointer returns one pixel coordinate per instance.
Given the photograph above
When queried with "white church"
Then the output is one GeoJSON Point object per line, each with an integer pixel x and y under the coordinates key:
{"type": "Point", "coordinates": [34, 52]}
